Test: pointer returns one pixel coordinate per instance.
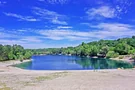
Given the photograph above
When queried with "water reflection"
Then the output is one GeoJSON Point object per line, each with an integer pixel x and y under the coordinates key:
{"type": "Point", "coordinates": [100, 63]}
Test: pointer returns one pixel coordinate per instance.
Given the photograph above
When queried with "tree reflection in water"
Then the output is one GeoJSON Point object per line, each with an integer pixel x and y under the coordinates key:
{"type": "Point", "coordinates": [100, 63]}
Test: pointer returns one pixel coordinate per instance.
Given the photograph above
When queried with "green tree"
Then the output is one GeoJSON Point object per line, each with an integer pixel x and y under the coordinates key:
{"type": "Point", "coordinates": [122, 48]}
{"type": "Point", "coordinates": [104, 50]}
{"type": "Point", "coordinates": [27, 54]}
{"type": "Point", "coordinates": [112, 54]}
{"type": "Point", "coordinates": [8, 52]}
{"type": "Point", "coordinates": [93, 50]}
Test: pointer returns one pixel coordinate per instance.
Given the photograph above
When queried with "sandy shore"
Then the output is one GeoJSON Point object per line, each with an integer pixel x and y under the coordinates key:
{"type": "Point", "coordinates": [12, 78]}
{"type": "Point", "coordinates": [127, 58]}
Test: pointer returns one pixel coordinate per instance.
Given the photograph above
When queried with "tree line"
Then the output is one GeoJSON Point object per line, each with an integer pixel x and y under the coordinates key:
{"type": "Point", "coordinates": [101, 48]}
{"type": "Point", "coordinates": [15, 52]}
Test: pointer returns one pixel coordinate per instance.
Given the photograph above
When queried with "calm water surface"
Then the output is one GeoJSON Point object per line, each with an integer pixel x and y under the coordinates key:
{"type": "Point", "coordinates": [62, 62]}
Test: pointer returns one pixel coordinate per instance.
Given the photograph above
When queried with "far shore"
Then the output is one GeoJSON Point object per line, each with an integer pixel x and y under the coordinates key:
{"type": "Point", "coordinates": [127, 58]}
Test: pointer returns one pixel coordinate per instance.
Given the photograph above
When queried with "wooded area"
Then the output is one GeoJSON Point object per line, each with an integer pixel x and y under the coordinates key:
{"type": "Point", "coordinates": [102, 48]}
{"type": "Point", "coordinates": [15, 52]}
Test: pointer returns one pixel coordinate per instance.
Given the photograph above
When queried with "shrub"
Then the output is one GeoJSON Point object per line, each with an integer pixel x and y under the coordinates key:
{"type": "Point", "coordinates": [112, 54]}
{"type": "Point", "coordinates": [121, 57]}
{"type": "Point", "coordinates": [133, 57]}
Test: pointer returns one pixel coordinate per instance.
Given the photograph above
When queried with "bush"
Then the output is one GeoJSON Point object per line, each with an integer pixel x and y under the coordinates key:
{"type": "Point", "coordinates": [132, 51]}
{"type": "Point", "coordinates": [112, 54]}
{"type": "Point", "coordinates": [133, 57]}
{"type": "Point", "coordinates": [121, 57]}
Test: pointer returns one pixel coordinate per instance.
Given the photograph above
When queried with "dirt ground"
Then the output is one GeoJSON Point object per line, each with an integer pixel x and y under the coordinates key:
{"type": "Point", "coordinates": [12, 78]}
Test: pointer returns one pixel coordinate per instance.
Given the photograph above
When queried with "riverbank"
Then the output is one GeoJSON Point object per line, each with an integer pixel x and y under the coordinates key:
{"type": "Point", "coordinates": [127, 58]}
{"type": "Point", "coordinates": [7, 65]}
{"type": "Point", "coordinates": [68, 80]}
{"type": "Point", "coordinates": [13, 78]}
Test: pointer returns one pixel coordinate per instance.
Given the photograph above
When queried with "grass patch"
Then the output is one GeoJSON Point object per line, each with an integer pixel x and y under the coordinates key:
{"type": "Point", "coordinates": [3, 86]}
{"type": "Point", "coordinates": [121, 57]}
{"type": "Point", "coordinates": [28, 84]}
{"type": "Point", "coordinates": [41, 78]}
{"type": "Point", "coordinates": [52, 76]}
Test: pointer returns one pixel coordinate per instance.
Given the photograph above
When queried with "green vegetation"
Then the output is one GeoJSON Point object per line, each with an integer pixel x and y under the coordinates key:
{"type": "Point", "coordinates": [15, 52]}
{"type": "Point", "coordinates": [133, 57]}
{"type": "Point", "coordinates": [51, 76]}
{"type": "Point", "coordinates": [112, 54]}
{"type": "Point", "coordinates": [101, 48]}
{"type": "Point", "coordinates": [3, 86]}
{"type": "Point", "coordinates": [121, 57]}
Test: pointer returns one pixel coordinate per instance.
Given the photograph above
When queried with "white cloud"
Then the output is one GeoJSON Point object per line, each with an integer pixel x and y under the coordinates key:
{"type": "Point", "coordinates": [2, 2]}
{"type": "Point", "coordinates": [22, 41]}
{"type": "Point", "coordinates": [56, 21]}
{"type": "Point", "coordinates": [52, 16]}
{"type": "Point", "coordinates": [15, 37]}
{"type": "Point", "coordinates": [44, 45]}
{"type": "Point", "coordinates": [102, 31]}
{"type": "Point", "coordinates": [123, 6]}
{"type": "Point", "coordinates": [43, 14]}
{"type": "Point", "coordinates": [22, 30]}
{"type": "Point", "coordinates": [113, 30]}
{"type": "Point", "coordinates": [10, 42]}
{"type": "Point", "coordinates": [64, 27]}
{"type": "Point", "coordinates": [57, 1]}
{"type": "Point", "coordinates": [103, 11]}
{"type": "Point", "coordinates": [110, 9]}
{"type": "Point", "coordinates": [64, 34]}
{"type": "Point", "coordinates": [20, 17]}
{"type": "Point", "coordinates": [6, 35]}
{"type": "Point", "coordinates": [31, 39]}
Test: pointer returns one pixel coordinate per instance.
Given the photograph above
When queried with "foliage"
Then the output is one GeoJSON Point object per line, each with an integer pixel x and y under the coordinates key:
{"type": "Point", "coordinates": [122, 48]}
{"type": "Point", "coordinates": [121, 57]}
{"type": "Point", "coordinates": [112, 54]}
{"type": "Point", "coordinates": [15, 52]}
{"type": "Point", "coordinates": [105, 48]}
{"type": "Point", "coordinates": [133, 57]}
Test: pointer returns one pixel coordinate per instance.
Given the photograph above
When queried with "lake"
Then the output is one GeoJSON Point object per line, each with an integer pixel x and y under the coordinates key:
{"type": "Point", "coordinates": [63, 62]}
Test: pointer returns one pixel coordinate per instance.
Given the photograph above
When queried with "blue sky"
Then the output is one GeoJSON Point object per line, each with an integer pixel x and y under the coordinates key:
{"type": "Point", "coordinates": [62, 23]}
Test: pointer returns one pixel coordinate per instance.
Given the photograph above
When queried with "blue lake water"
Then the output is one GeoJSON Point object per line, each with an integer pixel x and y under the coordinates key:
{"type": "Point", "coordinates": [62, 62]}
